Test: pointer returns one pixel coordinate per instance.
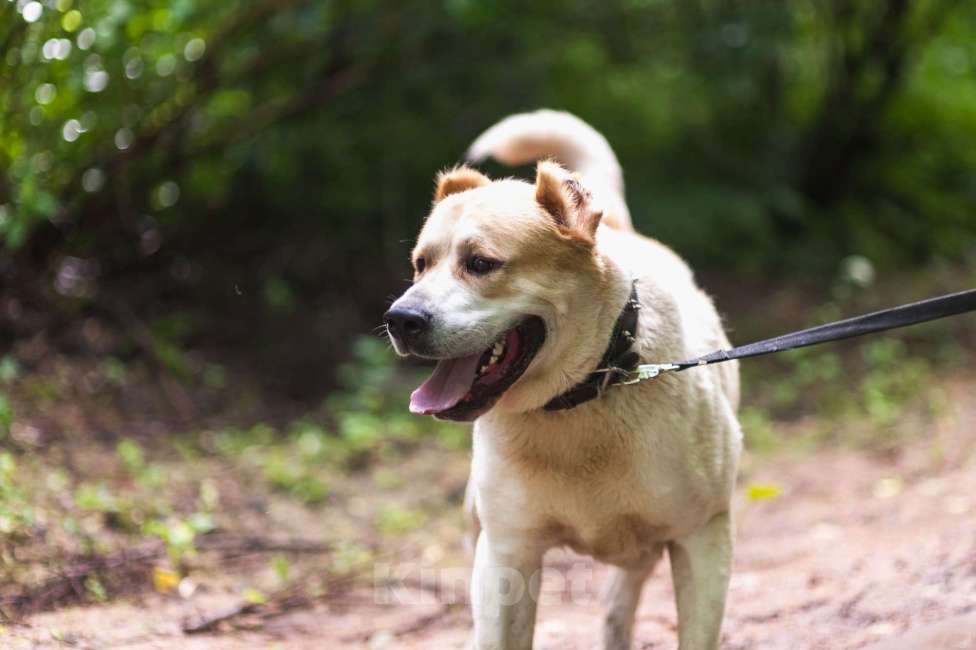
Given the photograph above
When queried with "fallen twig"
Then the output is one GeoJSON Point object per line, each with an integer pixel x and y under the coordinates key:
{"type": "Point", "coordinates": [68, 584]}
{"type": "Point", "coordinates": [250, 544]}
{"type": "Point", "coordinates": [424, 621]}
{"type": "Point", "coordinates": [276, 604]}
{"type": "Point", "coordinates": [208, 623]}
{"type": "Point", "coordinates": [412, 627]}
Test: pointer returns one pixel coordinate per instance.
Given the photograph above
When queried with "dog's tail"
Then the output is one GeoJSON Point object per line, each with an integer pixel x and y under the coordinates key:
{"type": "Point", "coordinates": [525, 137]}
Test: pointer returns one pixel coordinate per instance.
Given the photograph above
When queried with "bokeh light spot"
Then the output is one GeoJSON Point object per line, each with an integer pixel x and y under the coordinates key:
{"type": "Point", "coordinates": [56, 49]}
{"type": "Point", "coordinates": [96, 81]}
{"type": "Point", "coordinates": [71, 130]}
{"type": "Point", "coordinates": [42, 161]}
{"type": "Point", "coordinates": [49, 49]}
{"type": "Point", "coordinates": [86, 38]}
{"type": "Point", "coordinates": [133, 63]}
{"type": "Point", "coordinates": [194, 49]}
{"type": "Point", "coordinates": [123, 139]}
{"type": "Point", "coordinates": [32, 11]}
{"type": "Point", "coordinates": [71, 20]}
{"type": "Point", "coordinates": [93, 179]}
{"type": "Point", "coordinates": [168, 194]}
{"type": "Point", "coordinates": [166, 65]}
{"type": "Point", "coordinates": [45, 93]}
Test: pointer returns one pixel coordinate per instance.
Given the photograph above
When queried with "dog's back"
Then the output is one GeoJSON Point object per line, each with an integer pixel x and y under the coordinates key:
{"type": "Point", "coordinates": [547, 134]}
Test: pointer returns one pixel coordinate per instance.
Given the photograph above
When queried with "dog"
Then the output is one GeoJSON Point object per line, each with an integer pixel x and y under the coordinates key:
{"type": "Point", "coordinates": [522, 292]}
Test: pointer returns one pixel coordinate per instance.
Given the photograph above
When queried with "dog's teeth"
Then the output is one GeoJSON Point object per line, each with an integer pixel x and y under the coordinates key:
{"type": "Point", "coordinates": [498, 348]}
{"type": "Point", "coordinates": [482, 370]}
{"type": "Point", "coordinates": [494, 360]}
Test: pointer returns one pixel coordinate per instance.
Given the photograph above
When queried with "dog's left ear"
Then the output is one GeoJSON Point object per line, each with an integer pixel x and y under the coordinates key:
{"type": "Point", "coordinates": [458, 179]}
{"type": "Point", "coordinates": [566, 200]}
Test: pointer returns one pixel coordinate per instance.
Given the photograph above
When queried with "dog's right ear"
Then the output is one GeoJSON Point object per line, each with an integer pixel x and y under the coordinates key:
{"type": "Point", "coordinates": [458, 179]}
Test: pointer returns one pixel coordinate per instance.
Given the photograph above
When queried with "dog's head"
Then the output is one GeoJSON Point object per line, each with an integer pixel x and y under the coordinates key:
{"type": "Point", "coordinates": [504, 273]}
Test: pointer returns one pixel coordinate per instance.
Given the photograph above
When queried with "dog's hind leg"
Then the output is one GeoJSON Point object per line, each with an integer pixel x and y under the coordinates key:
{"type": "Point", "coordinates": [700, 566]}
{"type": "Point", "coordinates": [622, 596]}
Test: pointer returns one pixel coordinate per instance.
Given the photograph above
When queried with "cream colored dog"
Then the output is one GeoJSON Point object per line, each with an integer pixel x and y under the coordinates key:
{"type": "Point", "coordinates": [517, 291]}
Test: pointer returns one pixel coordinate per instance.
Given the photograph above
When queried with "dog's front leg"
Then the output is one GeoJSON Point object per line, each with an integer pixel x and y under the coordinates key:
{"type": "Point", "coordinates": [504, 593]}
{"type": "Point", "coordinates": [700, 566]}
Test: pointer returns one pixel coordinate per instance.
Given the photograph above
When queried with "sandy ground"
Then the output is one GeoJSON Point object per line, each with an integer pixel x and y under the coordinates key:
{"type": "Point", "coordinates": [859, 550]}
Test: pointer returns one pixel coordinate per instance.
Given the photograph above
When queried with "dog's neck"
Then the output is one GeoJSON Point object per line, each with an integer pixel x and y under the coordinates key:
{"type": "Point", "coordinates": [618, 358]}
{"type": "Point", "coordinates": [597, 321]}
{"type": "Point", "coordinates": [575, 353]}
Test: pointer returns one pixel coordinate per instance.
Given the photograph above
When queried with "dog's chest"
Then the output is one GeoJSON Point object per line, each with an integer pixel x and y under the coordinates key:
{"type": "Point", "coordinates": [622, 539]}
{"type": "Point", "coordinates": [605, 487]}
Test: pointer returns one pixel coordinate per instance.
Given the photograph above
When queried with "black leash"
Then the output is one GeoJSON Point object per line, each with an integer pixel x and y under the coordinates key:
{"type": "Point", "coordinates": [879, 321]}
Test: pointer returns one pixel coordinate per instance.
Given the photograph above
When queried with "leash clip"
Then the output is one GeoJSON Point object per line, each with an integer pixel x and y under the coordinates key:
{"type": "Point", "coordinates": [652, 370]}
{"type": "Point", "coordinates": [642, 372]}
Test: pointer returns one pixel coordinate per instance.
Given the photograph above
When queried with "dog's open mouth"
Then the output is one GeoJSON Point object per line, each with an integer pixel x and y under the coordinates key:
{"type": "Point", "coordinates": [464, 388]}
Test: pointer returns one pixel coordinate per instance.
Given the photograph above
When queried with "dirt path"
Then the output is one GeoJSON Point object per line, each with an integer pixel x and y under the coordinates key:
{"type": "Point", "coordinates": [857, 549]}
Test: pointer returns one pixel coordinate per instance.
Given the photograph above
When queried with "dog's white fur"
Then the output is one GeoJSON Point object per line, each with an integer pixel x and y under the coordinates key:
{"type": "Point", "coordinates": [643, 468]}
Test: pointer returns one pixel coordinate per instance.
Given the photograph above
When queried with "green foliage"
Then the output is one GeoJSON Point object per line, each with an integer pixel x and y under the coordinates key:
{"type": "Point", "coordinates": [757, 429]}
{"type": "Point", "coordinates": [115, 371]}
{"type": "Point", "coordinates": [797, 132]}
{"type": "Point", "coordinates": [16, 512]}
{"type": "Point", "coordinates": [281, 567]}
{"type": "Point", "coordinates": [9, 369]}
{"type": "Point", "coordinates": [893, 377]}
{"type": "Point", "coordinates": [131, 455]}
{"type": "Point", "coordinates": [179, 534]}
{"type": "Point", "coordinates": [860, 398]}
{"type": "Point", "coordinates": [393, 520]}
{"type": "Point", "coordinates": [95, 497]}
{"type": "Point", "coordinates": [6, 415]}
{"type": "Point", "coordinates": [298, 480]}
{"type": "Point", "coordinates": [254, 596]}
{"type": "Point", "coordinates": [350, 557]}
{"type": "Point", "coordinates": [368, 423]}
{"type": "Point", "coordinates": [134, 461]}
{"type": "Point", "coordinates": [95, 589]}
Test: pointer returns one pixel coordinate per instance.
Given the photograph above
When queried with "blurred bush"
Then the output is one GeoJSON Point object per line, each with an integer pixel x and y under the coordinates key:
{"type": "Point", "coordinates": [269, 161]}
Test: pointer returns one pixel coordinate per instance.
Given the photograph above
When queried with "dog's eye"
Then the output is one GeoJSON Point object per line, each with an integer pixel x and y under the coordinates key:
{"type": "Point", "coordinates": [420, 264]}
{"type": "Point", "coordinates": [481, 265]}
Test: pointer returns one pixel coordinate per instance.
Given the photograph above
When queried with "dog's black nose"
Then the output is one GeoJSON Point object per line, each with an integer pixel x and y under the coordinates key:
{"type": "Point", "coordinates": [406, 323]}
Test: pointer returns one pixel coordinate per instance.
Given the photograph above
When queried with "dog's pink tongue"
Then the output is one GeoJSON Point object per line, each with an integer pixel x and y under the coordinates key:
{"type": "Point", "coordinates": [450, 382]}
